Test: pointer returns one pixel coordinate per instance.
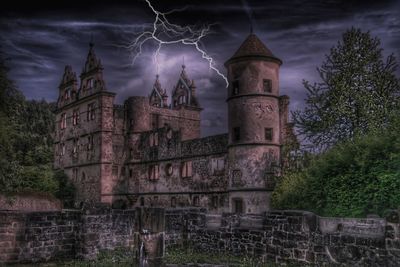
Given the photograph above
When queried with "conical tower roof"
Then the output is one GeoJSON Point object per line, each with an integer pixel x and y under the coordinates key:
{"type": "Point", "coordinates": [255, 48]}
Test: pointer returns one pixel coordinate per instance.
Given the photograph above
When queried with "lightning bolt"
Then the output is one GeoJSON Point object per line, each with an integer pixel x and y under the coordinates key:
{"type": "Point", "coordinates": [163, 32]}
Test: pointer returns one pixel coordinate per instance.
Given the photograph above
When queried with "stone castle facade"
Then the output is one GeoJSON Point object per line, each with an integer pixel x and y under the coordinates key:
{"type": "Point", "coordinates": [149, 151]}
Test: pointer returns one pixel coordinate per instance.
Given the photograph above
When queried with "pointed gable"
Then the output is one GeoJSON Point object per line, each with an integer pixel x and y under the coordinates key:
{"type": "Point", "coordinates": [158, 96]}
{"type": "Point", "coordinates": [92, 62]}
{"type": "Point", "coordinates": [92, 74]}
{"type": "Point", "coordinates": [184, 91]}
{"type": "Point", "coordinates": [68, 87]}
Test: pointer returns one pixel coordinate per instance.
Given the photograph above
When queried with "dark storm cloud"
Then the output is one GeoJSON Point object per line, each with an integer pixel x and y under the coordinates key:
{"type": "Point", "coordinates": [41, 39]}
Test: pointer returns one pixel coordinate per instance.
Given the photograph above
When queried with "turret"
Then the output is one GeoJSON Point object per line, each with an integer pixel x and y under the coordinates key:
{"type": "Point", "coordinates": [254, 125]}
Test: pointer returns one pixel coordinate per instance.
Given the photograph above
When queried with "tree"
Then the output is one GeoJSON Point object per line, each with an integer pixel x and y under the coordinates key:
{"type": "Point", "coordinates": [354, 178]}
{"type": "Point", "coordinates": [359, 92]}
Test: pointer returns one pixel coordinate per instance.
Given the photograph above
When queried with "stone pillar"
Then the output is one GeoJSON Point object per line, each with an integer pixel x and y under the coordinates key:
{"type": "Point", "coordinates": [150, 245]}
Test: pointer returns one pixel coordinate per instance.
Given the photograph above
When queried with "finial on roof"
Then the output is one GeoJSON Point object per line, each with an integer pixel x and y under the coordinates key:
{"type": "Point", "coordinates": [183, 62]}
{"type": "Point", "coordinates": [91, 43]}
{"type": "Point", "coordinates": [251, 27]}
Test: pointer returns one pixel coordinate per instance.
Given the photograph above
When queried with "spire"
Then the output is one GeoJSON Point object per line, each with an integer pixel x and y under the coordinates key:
{"type": "Point", "coordinates": [184, 75]}
{"type": "Point", "coordinates": [157, 86]}
{"type": "Point", "coordinates": [92, 62]}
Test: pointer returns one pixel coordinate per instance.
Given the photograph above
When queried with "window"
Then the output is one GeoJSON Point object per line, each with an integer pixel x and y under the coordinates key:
{"type": "Point", "coordinates": [236, 177]}
{"type": "Point", "coordinates": [75, 174]}
{"type": "Point", "coordinates": [214, 202]}
{"type": "Point", "coordinates": [67, 94]}
{"type": "Point", "coordinates": [238, 205]}
{"type": "Point", "coordinates": [186, 169]}
{"type": "Point", "coordinates": [169, 134]}
{"type": "Point", "coordinates": [196, 201]}
{"type": "Point", "coordinates": [218, 166]}
{"type": "Point", "coordinates": [155, 201]}
{"type": "Point", "coordinates": [75, 147]}
{"type": "Point", "coordinates": [153, 139]}
{"type": "Point", "coordinates": [142, 201]}
{"type": "Point", "coordinates": [236, 134]}
{"type": "Point", "coordinates": [267, 85]}
{"type": "Point", "coordinates": [130, 173]}
{"type": "Point", "coordinates": [115, 170]}
{"type": "Point", "coordinates": [62, 149]}
{"type": "Point", "coordinates": [181, 100]}
{"type": "Point", "coordinates": [154, 121]}
{"type": "Point", "coordinates": [169, 169]}
{"type": "Point", "coordinates": [268, 134]}
{"type": "Point", "coordinates": [90, 83]}
{"type": "Point", "coordinates": [90, 142]}
{"type": "Point", "coordinates": [173, 202]}
{"type": "Point", "coordinates": [235, 87]}
{"type": "Point", "coordinates": [75, 117]}
{"type": "Point", "coordinates": [153, 172]}
{"type": "Point", "coordinates": [91, 111]}
{"type": "Point", "coordinates": [63, 122]}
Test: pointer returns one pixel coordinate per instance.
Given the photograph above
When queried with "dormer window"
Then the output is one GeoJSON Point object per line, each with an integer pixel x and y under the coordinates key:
{"type": "Point", "coordinates": [90, 83]}
{"type": "Point", "coordinates": [67, 94]}
{"type": "Point", "coordinates": [181, 100]}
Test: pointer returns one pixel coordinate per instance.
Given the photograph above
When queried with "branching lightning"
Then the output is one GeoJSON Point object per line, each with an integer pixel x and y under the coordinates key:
{"type": "Point", "coordinates": [164, 32]}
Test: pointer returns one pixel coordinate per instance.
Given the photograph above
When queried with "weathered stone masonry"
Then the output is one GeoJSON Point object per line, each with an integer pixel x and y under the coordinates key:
{"type": "Point", "coordinates": [278, 236]}
{"type": "Point", "coordinates": [149, 151]}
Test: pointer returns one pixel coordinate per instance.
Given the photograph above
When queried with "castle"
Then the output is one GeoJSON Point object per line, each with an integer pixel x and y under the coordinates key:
{"type": "Point", "coordinates": [149, 152]}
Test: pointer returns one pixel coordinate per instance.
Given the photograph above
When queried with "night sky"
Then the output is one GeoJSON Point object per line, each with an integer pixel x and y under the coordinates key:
{"type": "Point", "coordinates": [40, 39]}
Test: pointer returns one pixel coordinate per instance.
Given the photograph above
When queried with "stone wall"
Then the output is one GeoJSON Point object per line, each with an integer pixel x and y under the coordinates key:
{"type": "Point", "coordinates": [29, 201]}
{"type": "Point", "coordinates": [38, 236]}
{"type": "Point", "coordinates": [301, 237]}
{"type": "Point", "coordinates": [277, 236]}
{"type": "Point", "coordinates": [67, 234]}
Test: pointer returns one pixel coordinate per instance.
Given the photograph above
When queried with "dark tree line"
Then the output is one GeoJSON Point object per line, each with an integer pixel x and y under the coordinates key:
{"type": "Point", "coordinates": [26, 144]}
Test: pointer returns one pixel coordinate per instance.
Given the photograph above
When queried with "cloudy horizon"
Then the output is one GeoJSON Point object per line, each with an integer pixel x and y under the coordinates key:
{"type": "Point", "coordinates": [40, 41]}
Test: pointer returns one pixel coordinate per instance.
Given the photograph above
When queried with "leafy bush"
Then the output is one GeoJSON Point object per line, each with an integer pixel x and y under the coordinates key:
{"type": "Point", "coordinates": [354, 179]}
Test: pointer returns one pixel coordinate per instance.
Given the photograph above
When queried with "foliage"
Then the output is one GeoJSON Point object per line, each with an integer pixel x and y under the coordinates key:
{"type": "Point", "coordinates": [359, 92]}
{"type": "Point", "coordinates": [26, 145]}
{"type": "Point", "coordinates": [355, 178]}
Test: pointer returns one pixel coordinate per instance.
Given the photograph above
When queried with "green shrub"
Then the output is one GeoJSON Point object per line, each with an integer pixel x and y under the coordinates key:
{"type": "Point", "coordinates": [353, 179]}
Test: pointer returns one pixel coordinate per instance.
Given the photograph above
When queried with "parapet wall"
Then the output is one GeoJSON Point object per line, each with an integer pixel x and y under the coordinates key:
{"type": "Point", "coordinates": [277, 236]}
{"type": "Point", "coordinates": [294, 237]}
{"type": "Point", "coordinates": [67, 234]}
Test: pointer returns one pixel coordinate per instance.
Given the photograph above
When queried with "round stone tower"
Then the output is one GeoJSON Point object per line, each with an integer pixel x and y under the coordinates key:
{"type": "Point", "coordinates": [254, 121]}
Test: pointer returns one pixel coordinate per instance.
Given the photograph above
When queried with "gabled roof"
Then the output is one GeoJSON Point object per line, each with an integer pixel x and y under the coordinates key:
{"type": "Point", "coordinates": [253, 47]}
{"type": "Point", "coordinates": [92, 62]}
{"type": "Point", "coordinates": [68, 76]}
